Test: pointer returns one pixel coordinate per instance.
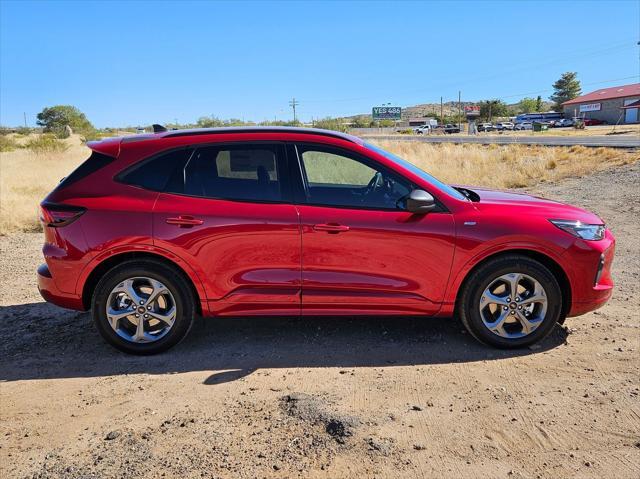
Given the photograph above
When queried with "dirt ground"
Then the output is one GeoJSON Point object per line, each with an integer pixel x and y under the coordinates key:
{"type": "Point", "coordinates": [332, 397]}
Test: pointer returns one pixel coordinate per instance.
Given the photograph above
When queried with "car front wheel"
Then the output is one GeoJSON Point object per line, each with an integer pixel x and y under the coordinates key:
{"type": "Point", "coordinates": [510, 302]}
{"type": "Point", "coordinates": [143, 307]}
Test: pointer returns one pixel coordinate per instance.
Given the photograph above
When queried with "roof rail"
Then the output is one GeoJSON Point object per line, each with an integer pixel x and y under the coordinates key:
{"type": "Point", "coordinates": [262, 129]}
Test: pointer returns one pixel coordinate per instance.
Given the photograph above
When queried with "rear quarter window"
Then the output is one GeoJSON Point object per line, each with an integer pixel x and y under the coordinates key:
{"type": "Point", "coordinates": [92, 164]}
{"type": "Point", "coordinates": [158, 173]}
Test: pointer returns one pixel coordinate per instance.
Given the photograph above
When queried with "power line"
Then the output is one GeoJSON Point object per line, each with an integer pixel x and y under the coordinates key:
{"type": "Point", "coordinates": [583, 84]}
{"type": "Point", "coordinates": [575, 54]}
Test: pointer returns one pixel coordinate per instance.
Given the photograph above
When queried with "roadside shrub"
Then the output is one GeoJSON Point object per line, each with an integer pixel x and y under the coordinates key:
{"type": "Point", "coordinates": [24, 131]}
{"type": "Point", "coordinates": [7, 143]}
{"type": "Point", "coordinates": [91, 135]}
{"type": "Point", "coordinates": [46, 143]}
{"type": "Point", "coordinates": [335, 124]}
{"type": "Point", "coordinates": [62, 133]}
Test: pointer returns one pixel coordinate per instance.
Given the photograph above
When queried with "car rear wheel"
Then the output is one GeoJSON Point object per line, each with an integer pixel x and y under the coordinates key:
{"type": "Point", "coordinates": [510, 302]}
{"type": "Point", "coordinates": [143, 307]}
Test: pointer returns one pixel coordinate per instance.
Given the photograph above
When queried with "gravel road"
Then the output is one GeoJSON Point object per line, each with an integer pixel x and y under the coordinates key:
{"type": "Point", "coordinates": [331, 397]}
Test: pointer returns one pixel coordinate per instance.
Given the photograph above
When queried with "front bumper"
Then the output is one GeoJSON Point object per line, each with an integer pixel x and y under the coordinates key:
{"type": "Point", "coordinates": [50, 292]}
{"type": "Point", "coordinates": [590, 290]}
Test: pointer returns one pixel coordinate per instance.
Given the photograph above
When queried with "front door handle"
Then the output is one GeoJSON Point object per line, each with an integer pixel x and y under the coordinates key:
{"type": "Point", "coordinates": [331, 228]}
{"type": "Point", "coordinates": [184, 221]}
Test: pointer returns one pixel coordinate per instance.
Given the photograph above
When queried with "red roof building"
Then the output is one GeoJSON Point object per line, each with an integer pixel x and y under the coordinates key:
{"type": "Point", "coordinates": [612, 105]}
{"type": "Point", "coordinates": [607, 94]}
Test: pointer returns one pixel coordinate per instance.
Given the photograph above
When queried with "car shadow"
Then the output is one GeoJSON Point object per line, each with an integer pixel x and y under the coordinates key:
{"type": "Point", "coordinates": [41, 341]}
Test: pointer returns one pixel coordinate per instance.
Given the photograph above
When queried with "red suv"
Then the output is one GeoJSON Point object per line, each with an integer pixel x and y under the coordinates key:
{"type": "Point", "coordinates": [155, 229]}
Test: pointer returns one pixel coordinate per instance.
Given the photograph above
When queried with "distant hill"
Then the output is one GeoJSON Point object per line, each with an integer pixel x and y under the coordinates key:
{"type": "Point", "coordinates": [432, 110]}
{"type": "Point", "coordinates": [449, 108]}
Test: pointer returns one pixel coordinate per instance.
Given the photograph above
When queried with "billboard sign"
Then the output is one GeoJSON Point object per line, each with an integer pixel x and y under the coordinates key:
{"type": "Point", "coordinates": [386, 112]}
{"type": "Point", "coordinates": [590, 107]}
{"type": "Point", "coordinates": [472, 110]}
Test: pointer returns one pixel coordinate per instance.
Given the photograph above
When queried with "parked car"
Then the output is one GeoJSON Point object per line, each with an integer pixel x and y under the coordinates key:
{"type": "Point", "coordinates": [423, 130]}
{"type": "Point", "coordinates": [153, 230]}
{"type": "Point", "coordinates": [563, 123]}
{"type": "Point", "coordinates": [505, 125]}
{"type": "Point", "coordinates": [486, 127]}
{"type": "Point", "coordinates": [447, 129]}
{"type": "Point", "coordinates": [525, 125]}
{"type": "Point", "coordinates": [450, 129]}
{"type": "Point", "coordinates": [593, 121]}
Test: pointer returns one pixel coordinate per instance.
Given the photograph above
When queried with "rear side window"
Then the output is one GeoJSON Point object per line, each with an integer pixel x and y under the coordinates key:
{"type": "Point", "coordinates": [95, 162]}
{"type": "Point", "coordinates": [159, 173]}
{"type": "Point", "coordinates": [246, 173]}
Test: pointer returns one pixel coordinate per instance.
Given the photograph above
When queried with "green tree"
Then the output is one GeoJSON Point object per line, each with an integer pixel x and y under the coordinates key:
{"type": "Point", "coordinates": [565, 89]}
{"type": "Point", "coordinates": [527, 105]}
{"type": "Point", "coordinates": [490, 109]}
{"type": "Point", "coordinates": [539, 105]}
{"type": "Point", "coordinates": [54, 120]}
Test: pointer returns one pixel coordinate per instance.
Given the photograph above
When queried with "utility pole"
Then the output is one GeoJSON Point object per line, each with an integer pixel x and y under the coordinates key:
{"type": "Point", "coordinates": [25, 118]}
{"type": "Point", "coordinates": [441, 112]}
{"type": "Point", "coordinates": [459, 111]}
{"type": "Point", "coordinates": [293, 104]}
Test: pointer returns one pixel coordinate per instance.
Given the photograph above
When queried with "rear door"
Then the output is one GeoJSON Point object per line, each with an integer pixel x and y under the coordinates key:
{"type": "Point", "coordinates": [362, 252]}
{"type": "Point", "coordinates": [228, 212]}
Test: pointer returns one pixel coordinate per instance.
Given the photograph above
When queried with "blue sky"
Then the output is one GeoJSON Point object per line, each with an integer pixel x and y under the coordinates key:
{"type": "Point", "coordinates": [130, 63]}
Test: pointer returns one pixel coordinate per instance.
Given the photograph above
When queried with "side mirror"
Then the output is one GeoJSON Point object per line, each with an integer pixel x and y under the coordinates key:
{"type": "Point", "coordinates": [420, 202]}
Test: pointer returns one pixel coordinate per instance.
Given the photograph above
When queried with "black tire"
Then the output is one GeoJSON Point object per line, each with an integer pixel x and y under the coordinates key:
{"type": "Point", "coordinates": [469, 299]}
{"type": "Point", "coordinates": [174, 281]}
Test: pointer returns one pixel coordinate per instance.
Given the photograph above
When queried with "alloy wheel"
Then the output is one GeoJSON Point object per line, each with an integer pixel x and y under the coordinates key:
{"type": "Point", "coordinates": [141, 310]}
{"type": "Point", "coordinates": [513, 305]}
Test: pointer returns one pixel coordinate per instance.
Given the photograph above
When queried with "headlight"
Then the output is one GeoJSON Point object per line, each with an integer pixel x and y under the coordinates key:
{"type": "Point", "coordinates": [581, 230]}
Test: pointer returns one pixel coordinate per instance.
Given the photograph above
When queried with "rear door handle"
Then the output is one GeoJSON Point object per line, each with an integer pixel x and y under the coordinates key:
{"type": "Point", "coordinates": [184, 221]}
{"type": "Point", "coordinates": [331, 228]}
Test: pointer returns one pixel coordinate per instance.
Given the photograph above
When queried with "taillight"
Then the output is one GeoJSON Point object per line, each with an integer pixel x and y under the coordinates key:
{"type": "Point", "coordinates": [57, 215]}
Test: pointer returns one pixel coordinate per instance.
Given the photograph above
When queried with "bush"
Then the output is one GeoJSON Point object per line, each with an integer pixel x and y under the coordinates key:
{"type": "Point", "coordinates": [336, 124]}
{"type": "Point", "coordinates": [24, 131]}
{"type": "Point", "coordinates": [91, 135]}
{"type": "Point", "coordinates": [46, 143]}
{"type": "Point", "coordinates": [7, 143]}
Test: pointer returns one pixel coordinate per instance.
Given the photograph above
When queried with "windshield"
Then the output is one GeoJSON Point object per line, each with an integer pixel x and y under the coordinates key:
{"type": "Point", "coordinates": [421, 173]}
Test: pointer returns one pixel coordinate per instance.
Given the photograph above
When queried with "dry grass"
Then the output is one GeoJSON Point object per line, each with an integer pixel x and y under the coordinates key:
{"type": "Point", "coordinates": [506, 166]}
{"type": "Point", "coordinates": [27, 176]}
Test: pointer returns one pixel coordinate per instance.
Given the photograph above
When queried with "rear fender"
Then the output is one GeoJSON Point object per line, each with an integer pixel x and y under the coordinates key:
{"type": "Point", "coordinates": [193, 275]}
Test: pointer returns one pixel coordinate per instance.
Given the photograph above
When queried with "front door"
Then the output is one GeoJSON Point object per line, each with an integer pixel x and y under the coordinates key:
{"type": "Point", "coordinates": [362, 252]}
{"type": "Point", "coordinates": [229, 214]}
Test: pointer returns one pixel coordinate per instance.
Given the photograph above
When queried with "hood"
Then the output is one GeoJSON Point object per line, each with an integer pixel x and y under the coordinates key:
{"type": "Point", "coordinates": [525, 204]}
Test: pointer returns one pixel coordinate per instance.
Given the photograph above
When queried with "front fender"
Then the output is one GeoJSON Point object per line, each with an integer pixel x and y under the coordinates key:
{"type": "Point", "coordinates": [484, 251]}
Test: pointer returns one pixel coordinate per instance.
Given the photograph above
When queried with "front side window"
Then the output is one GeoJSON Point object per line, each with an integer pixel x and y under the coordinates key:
{"type": "Point", "coordinates": [248, 173]}
{"type": "Point", "coordinates": [421, 173]}
{"type": "Point", "coordinates": [336, 178]}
